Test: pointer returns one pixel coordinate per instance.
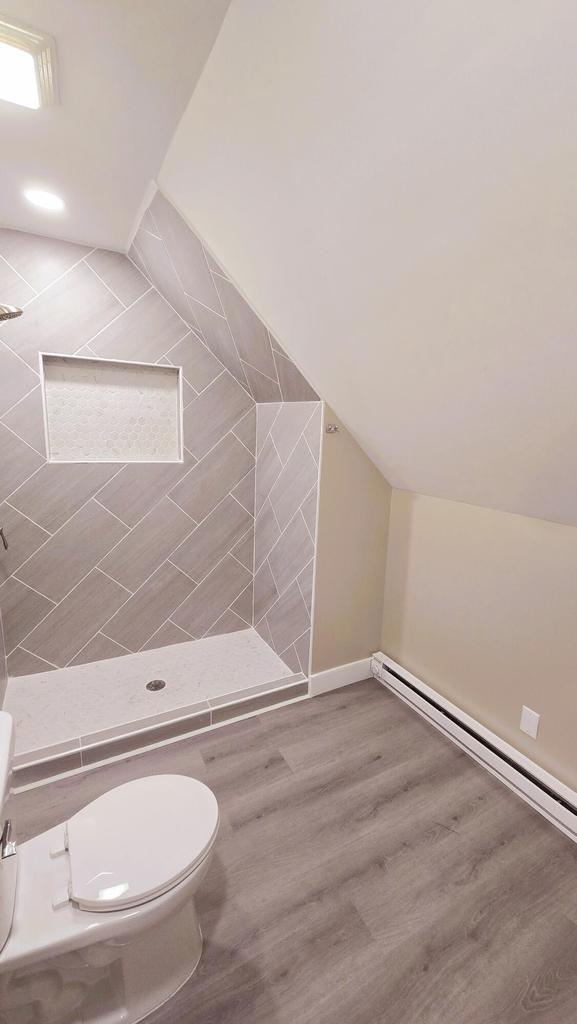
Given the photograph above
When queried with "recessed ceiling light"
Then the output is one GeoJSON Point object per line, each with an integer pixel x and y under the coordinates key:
{"type": "Point", "coordinates": [27, 67]}
{"type": "Point", "coordinates": [46, 200]}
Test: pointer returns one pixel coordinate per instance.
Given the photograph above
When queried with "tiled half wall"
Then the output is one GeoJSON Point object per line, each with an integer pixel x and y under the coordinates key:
{"type": "Point", "coordinates": [106, 559]}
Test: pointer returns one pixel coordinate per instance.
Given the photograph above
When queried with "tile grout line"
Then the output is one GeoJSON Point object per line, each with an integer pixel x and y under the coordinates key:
{"type": "Point", "coordinates": [110, 512]}
{"type": "Point", "coordinates": [33, 521]}
{"type": "Point", "coordinates": [195, 329]}
{"type": "Point", "coordinates": [32, 655]}
{"type": "Point", "coordinates": [57, 604]}
{"type": "Point", "coordinates": [262, 373]}
{"type": "Point", "coordinates": [23, 441]}
{"type": "Point", "coordinates": [15, 406]}
{"type": "Point", "coordinates": [66, 521]}
{"type": "Point", "coordinates": [24, 363]}
{"type": "Point", "coordinates": [248, 512]}
{"type": "Point", "coordinates": [18, 274]}
{"type": "Point", "coordinates": [236, 348]}
{"type": "Point", "coordinates": [102, 281]}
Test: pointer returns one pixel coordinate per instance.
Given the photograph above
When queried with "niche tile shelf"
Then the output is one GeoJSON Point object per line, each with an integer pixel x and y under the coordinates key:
{"type": "Point", "coordinates": [105, 410]}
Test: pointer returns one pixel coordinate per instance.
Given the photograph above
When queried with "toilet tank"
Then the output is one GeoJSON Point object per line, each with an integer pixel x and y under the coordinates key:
{"type": "Point", "coordinates": [7, 844]}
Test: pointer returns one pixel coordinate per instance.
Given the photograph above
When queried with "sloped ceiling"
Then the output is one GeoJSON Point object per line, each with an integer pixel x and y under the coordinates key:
{"type": "Point", "coordinates": [126, 71]}
{"type": "Point", "coordinates": [393, 186]}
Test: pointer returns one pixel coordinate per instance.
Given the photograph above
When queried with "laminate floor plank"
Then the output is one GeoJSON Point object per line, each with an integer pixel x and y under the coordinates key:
{"type": "Point", "coordinates": [366, 872]}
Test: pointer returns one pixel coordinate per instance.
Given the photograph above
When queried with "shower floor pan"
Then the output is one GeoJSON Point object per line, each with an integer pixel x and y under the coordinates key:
{"type": "Point", "coordinates": [73, 718]}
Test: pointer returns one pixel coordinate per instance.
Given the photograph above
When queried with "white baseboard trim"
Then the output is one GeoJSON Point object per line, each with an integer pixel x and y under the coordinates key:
{"type": "Point", "coordinates": [342, 675]}
{"type": "Point", "coordinates": [544, 792]}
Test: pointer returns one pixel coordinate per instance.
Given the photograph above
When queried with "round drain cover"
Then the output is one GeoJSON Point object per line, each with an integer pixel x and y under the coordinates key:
{"type": "Point", "coordinates": [156, 684]}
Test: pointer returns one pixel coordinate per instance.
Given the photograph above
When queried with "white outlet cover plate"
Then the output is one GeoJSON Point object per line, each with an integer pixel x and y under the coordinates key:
{"type": "Point", "coordinates": [529, 721]}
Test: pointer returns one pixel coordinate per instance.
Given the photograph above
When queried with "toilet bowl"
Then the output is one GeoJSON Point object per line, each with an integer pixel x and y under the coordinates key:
{"type": "Point", "coordinates": [97, 915]}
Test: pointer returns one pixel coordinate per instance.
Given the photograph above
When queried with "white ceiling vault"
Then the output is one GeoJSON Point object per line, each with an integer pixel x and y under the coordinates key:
{"type": "Point", "coordinates": [393, 186]}
{"type": "Point", "coordinates": [126, 71]}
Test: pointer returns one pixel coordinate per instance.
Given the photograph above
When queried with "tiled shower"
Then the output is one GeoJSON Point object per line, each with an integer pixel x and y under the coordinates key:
{"type": "Point", "coordinates": [112, 562]}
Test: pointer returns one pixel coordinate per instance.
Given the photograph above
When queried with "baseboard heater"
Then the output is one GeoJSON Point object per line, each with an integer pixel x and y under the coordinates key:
{"type": "Point", "coordinates": [546, 794]}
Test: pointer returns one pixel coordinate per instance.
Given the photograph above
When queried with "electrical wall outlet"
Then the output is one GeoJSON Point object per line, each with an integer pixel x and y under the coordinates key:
{"type": "Point", "coordinates": [529, 722]}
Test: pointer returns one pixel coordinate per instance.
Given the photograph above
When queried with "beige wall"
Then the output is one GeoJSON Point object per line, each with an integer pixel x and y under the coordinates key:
{"type": "Point", "coordinates": [352, 539]}
{"type": "Point", "coordinates": [482, 605]}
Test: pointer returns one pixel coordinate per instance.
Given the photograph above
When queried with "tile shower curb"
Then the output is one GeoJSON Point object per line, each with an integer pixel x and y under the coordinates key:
{"type": "Point", "coordinates": [213, 713]}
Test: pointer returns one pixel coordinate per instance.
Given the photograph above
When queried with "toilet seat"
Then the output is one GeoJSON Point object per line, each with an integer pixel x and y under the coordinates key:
{"type": "Point", "coordinates": [138, 841]}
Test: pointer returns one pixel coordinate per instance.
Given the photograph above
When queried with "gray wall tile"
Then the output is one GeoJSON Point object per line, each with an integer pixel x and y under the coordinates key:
{"type": "Point", "coordinates": [288, 618]}
{"type": "Point", "coordinates": [74, 621]}
{"type": "Point", "coordinates": [294, 387]}
{"type": "Point", "coordinates": [13, 285]}
{"type": "Point", "coordinates": [214, 595]}
{"type": "Point", "coordinates": [291, 553]}
{"type": "Point", "coordinates": [16, 378]}
{"type": "Point", "coordinates": [249, 333]}
{"type": "Point", "coordinates": [119, 274]}
{"type": "Point", "coordinates": [302, 647]}
{"type": "Point", "coordinates": [38, 259]}
{"type": "Point", "coordinates": [243, 707]}
{"type": "Point", "coordinates": [71, 552]}
{"type": "Point", "coordinates": [199, 365]}
{"type": "Point", "coordinates": [57, 491]}
{"type": "Point", "coordinates": [213, 478]}
{"type": "Point", "coordinates": [213, 413]}
{"type": "Point", "coordinates": [245, 430]}
{"type": "Point", "coordinates": [263, 388]}
{"type": "Point", "coordinates": [216, 333]}
{"type": "Point", "coordinates": [217, 534]}
{"type": "Point", "coordinates": [145, 332]}
{"type": "Point", "coordinates": [138, 487]}
{"type": "Point", "coordinates": [244, 550]}
{"type": "Point", "coordinates": [313, 433]}
{"type": "Point", "coordinates": [27, 420]}
{"type": "Point", "coordinates": [64, 317]}
{"type": "Point", "coordinates": [298, 477]}
{"type": "Point", "coordinates": [267, 533]}
{"type": "Point", "coordinates": [305, 582]}
{"type": "Point", "coordinates": [230, 622]}
{"type": "Point", "coordinates": [161, 272]}
{"type": "Point", "coordinates": [265, 592]}
{"type": "Point", "coordinates": [21, 610]}
{"type": "Point", "coordinates": [186, 253]}
{"type": "Point", "coordinates": [24, 537]}
{"type": "Point", "coordinates": [99, 648]}
{"type": "Point", "coordinates": [149, 608]}
{"type": "Point", "coordinates": [151, 541]}
{"type": "Point", "coordinates": [168, 634]}
{"type": "Point", "coordinates": [17, 460]}
{"type": "Point", "coordinates": [290, 424]}
{"type": "Point", "coordinates": [21, 663]}
{"type": "Point", "coordinates": [243, 606]}
{"type": "Point", "coordinates": [244, 491]}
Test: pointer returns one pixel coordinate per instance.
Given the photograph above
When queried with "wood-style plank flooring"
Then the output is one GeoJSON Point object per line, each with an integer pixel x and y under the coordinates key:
{"type": "Point", "coordinates": [367, 872]}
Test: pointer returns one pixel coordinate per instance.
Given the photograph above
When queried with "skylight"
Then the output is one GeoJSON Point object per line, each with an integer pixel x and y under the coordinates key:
{"type": "Point", "coordinates": [27, 67]}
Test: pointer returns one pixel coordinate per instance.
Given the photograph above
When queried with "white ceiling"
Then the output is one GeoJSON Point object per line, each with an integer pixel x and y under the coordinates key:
{"type": "Point", "coordinates": [394, 188]}
{"type": "Point", "coordinates": [126, 69]}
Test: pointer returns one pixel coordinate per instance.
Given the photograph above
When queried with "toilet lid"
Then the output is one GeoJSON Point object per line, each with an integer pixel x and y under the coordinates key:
{"type": "Point", "coordinates": [139, 840]}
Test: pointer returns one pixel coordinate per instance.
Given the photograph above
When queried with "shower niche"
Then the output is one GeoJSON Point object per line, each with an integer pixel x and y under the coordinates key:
{"type": "Point", "coordinates": [106, 410]}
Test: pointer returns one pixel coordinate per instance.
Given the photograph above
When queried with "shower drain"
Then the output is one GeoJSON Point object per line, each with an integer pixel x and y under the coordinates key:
{"type": "Point", "coordinates": [156, 684]}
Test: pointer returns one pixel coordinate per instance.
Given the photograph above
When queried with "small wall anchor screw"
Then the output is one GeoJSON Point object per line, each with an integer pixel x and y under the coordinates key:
{"type": "Point", "coordinates": [332, 428]}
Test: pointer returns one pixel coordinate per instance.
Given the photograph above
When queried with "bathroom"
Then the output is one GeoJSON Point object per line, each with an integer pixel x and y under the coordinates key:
{"type": "Point", "coordinates": [288, 540]}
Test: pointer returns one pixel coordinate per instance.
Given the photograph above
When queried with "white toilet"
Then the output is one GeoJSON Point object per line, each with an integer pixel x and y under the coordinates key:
{"type": "Point", "coordinates": [97, 916]}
